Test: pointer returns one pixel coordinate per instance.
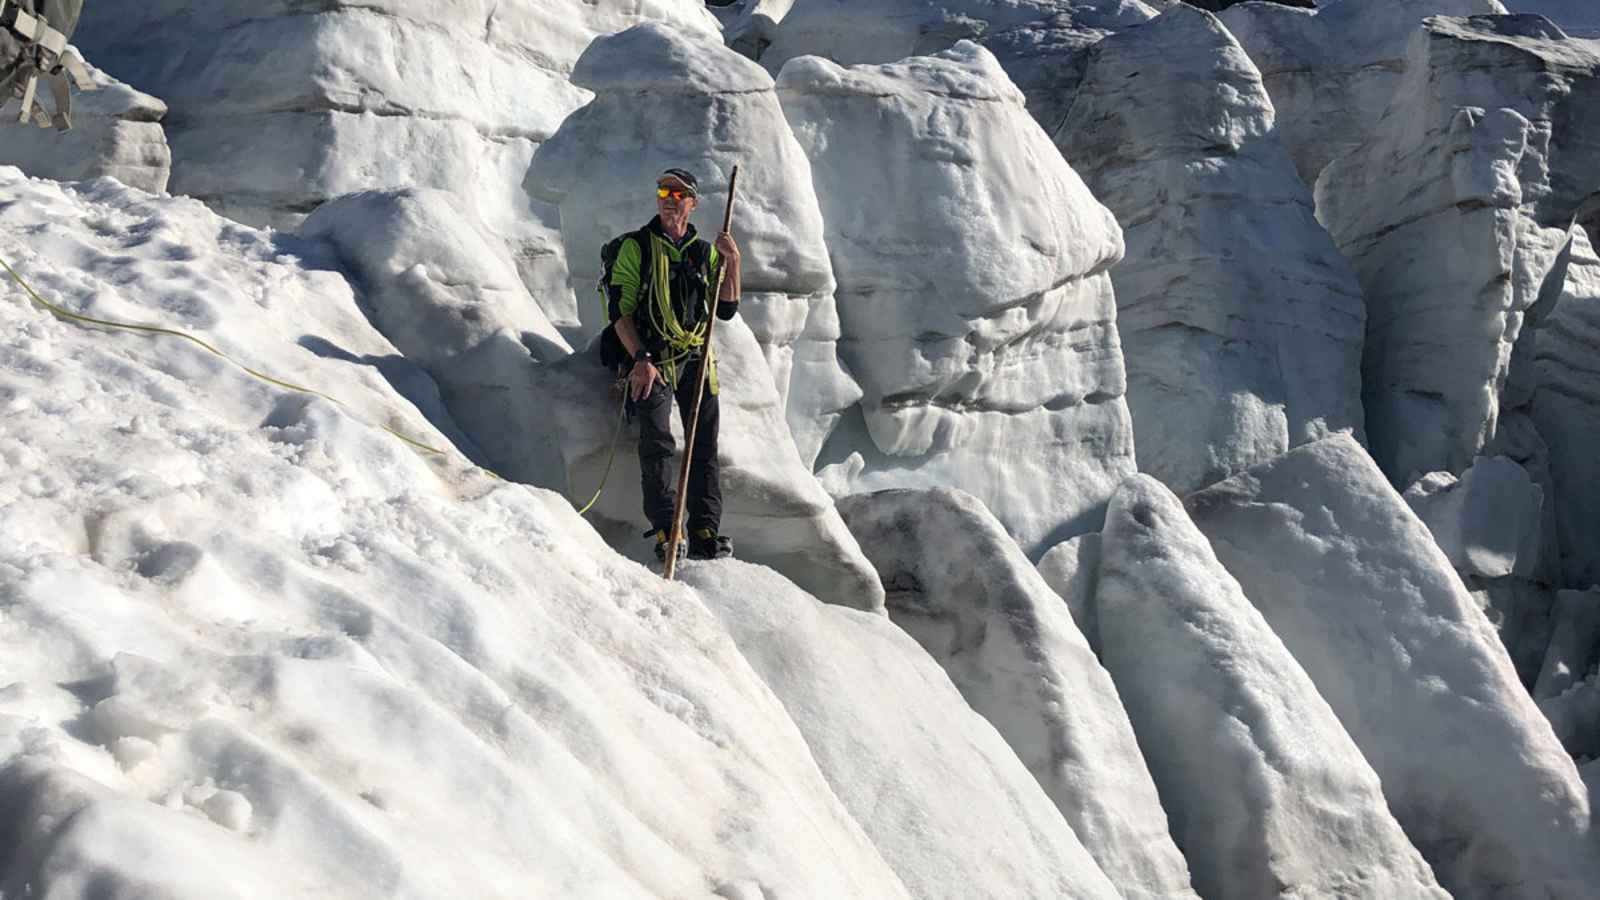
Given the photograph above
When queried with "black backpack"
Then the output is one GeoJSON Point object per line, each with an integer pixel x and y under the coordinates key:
{"type": "Point", "coordinates": [33, 48]}
{"type": "Point", "coordinates": [612, 353]}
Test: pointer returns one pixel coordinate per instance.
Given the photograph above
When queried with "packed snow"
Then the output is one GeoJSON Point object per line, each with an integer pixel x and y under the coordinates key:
{"type": "Point", "coordinates": [946, 801]}
{"type": "Point", "coordinates": [252, 645]}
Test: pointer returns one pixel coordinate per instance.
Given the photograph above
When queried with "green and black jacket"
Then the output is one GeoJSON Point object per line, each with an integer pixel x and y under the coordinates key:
{"type": "Point", "coordinates": [665, 286]}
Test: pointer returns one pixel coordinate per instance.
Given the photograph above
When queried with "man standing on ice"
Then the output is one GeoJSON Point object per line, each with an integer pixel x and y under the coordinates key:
{"type": "Point", "coordinates": [658, 295]}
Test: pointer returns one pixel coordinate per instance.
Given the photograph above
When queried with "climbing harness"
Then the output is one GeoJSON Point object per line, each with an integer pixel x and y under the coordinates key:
{"type": "Point", "coordinates": [38, 50]}
{"type": "Point", "coordinates": [681, 342]}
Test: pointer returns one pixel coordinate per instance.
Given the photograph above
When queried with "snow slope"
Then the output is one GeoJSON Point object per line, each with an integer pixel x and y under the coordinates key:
{"type": "Point", "coordinates": [251, 645]}
{"type": "Point", "coordinates": [948, 804]}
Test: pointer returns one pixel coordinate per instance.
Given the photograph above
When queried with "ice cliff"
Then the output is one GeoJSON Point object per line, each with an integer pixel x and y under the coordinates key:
{"type": "Point", "coordinates": [987, 369]}
{"type": "Point", "coordinates": [1495, 169]}
{"type": "Point", "coordinates": [1241, 324]}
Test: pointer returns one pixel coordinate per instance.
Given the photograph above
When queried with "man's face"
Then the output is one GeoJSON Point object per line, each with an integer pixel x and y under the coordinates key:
{"type": "Point", "coordinates": [677, 204]}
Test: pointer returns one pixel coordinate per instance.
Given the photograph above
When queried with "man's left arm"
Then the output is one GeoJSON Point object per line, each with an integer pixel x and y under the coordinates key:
{"type": "Point", "coordinates": [726, 252]}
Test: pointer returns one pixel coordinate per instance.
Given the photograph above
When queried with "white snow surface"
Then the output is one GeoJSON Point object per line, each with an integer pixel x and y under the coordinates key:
{"type": "Point", "coordinates": [1332, 70]}
{"type": "Point", "coordinates": [1486, 521]}
{"type": "Point", "coordinates": [253, 646]}
{"type": "Point", "coordinates": [1267, 794]}
{"type": "Point", "coordinates": [947, 803]}
{"type": "Point", "coordinates": [1009, 644]}
{"type": "Point", "coordinates": [995, 369]}
{"type": "Point", "coordinates": [116, 132]}
{"type": "Point", "coordinates": [1454, 215]}
{"type": "Point", "coordinates": [280, 106]}
{"type": "Point", "coordinates": [1241, 323]}
{"type": "Point", "coordinates": [666, 98]}
{"type": "Point", "coordinates": [1354, 585]}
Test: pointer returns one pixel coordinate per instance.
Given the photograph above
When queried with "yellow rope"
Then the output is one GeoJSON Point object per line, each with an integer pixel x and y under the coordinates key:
{"type": "Point", "coordinates": [680, 340]}
{"type": "Point", "coordinates": [622, 416]}
{"type": "Point", "coordinates": [68, 314]}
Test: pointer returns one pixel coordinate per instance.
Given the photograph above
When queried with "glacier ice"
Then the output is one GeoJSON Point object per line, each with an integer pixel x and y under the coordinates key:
{"type": "Point", "coordinates": [1354, 585]}
{"type": "Point", "coordinates": [996, 370]}
{"type": "Point", "coordinates": [1011, 647]}
{"type": "Point", "coordinates": [1241, 323]}
{"type": "Point", "coordinates": [1267, 793]}
{"type": "Point", "coordinates": [1478, 167]}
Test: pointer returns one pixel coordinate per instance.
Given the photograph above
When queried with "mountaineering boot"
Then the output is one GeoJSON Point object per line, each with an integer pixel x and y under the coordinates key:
{"type": "Point", "coordinates": [707, 544]}
{"type": "Point", "coordinates": [661, 544]}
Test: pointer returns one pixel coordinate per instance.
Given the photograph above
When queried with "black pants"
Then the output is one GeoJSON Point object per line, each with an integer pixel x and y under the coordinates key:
{"type": "Point", "coordinates": [656, 470]}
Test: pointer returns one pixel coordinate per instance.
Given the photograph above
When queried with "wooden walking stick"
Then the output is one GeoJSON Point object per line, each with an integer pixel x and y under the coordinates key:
{"type": "Point", "coordinates": [676, 534]}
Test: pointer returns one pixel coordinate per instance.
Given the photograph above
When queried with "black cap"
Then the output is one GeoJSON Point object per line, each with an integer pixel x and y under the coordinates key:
{"type": "Point", "coordinates": [685, 176]}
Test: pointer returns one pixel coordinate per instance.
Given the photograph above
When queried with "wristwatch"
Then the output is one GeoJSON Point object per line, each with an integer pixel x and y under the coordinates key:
{"type": "Point", "coordinates": [641, 355]}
